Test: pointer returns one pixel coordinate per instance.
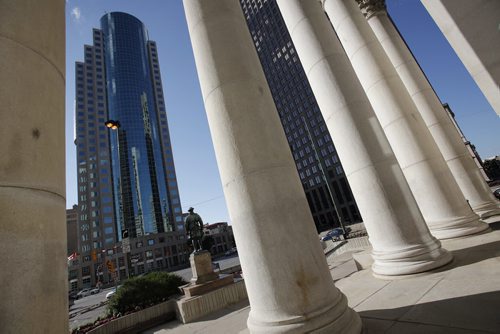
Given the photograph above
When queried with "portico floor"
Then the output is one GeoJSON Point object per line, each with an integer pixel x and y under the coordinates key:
{"type": "Point", "coordinates": [462, 297]}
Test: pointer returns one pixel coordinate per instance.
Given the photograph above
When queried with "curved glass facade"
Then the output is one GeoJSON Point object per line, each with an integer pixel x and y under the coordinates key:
{"type": "Point", "coordinates": [141, 195]}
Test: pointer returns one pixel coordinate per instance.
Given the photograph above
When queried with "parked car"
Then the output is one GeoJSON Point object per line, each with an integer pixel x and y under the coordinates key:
{"type": "Point", "coordinates": [110, 294]}
{"type": "Point", "coordinates": [333, 234]}
{"type": "Point", "coordinates": [230, 252]}
{"type": "Point", "coordinates": [95, 290]}
{"type": "Point", "coordinates": [83, 293]}
{"type": "Point", "coordinates": [497, 193]}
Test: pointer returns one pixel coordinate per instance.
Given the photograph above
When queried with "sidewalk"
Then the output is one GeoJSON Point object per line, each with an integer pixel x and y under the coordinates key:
{"type": "Point", "coordinates": [462, 297]}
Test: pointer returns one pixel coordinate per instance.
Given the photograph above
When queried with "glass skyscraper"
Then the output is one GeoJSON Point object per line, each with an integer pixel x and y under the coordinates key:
{"type": "Point", "coordinates": [144, 179]}
{"type": "Point", "coordinates": [126, 174]}
{"type": "Point", "coordinates": [318, 165]}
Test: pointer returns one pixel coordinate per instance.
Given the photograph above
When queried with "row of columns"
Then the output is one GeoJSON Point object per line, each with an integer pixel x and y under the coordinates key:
{"type": "Point", "coordinates": [288, 281]}
{"type": "Point", "coordinates": [385, 121]}
{"type": "Point", "coordinates": [289, 286]}
{"type": "Point", "coordinates": [440, 125]}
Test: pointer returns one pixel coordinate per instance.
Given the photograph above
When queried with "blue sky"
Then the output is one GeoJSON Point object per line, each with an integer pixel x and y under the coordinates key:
{"type": "Point", "coordinates": [197, 173]}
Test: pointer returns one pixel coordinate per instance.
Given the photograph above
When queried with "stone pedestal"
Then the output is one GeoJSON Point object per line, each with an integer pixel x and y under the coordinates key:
{"type": "Point", "coordinates": [401, 240]}
{"type": "Point", "coordinates": [289, 286]}
{"type": "Point", "coordinates": [201, 265]}
{"type": "Point", "coordinates": [438, 195]}
{"type": "Point", "coordinates": [34, 274]}
{"type": "Point", "coordinates": [440, 125]}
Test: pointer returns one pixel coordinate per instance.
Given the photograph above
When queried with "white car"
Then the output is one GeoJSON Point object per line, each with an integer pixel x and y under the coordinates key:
{"type": "Point", "coordinates": [83, 293]}
{"type": "Point", "coordinates": [94, 291]}
{"type": "Point", "coordinates": [110, 294]}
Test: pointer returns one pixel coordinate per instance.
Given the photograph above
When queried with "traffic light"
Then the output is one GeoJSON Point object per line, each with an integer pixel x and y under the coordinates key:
{"type": "Point", "coordinates": [93, 254]}
{"type": "Point", "coordinates": [111, 266]}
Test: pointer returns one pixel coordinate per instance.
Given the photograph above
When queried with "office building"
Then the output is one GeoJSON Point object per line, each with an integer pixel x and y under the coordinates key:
{"type": "Point", "coordinates": [72, 229]}
{"type": "Point", "coordinates": [318, 165]}
{"type": "Point", "coordinates": [126, 175]}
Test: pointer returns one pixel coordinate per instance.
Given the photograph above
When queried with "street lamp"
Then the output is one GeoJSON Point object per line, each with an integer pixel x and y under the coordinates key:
{"type": "Point", "coordinates": [112, 124]}
{"type": "Point", "coordinates": [115, 125]}
{"type": "Point", "coordinates": [325, 178]}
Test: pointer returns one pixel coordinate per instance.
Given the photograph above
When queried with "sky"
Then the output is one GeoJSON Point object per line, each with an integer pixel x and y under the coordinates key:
{"type": "Point", "coordinates": [197, 174]}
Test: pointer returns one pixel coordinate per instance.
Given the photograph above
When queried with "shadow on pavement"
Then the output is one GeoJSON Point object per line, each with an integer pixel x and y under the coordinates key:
{"type": "Point", "coordinates": [462, 315]}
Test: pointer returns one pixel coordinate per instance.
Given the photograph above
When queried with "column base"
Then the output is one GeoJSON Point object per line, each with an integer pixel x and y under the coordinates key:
{"type": "Point", "coordinates": [413, 260]}
{"type": "Point", "coordinates": [337, 317]}
{"type": "Point", "coordinates": [457, 228]}
{"type": "Point", "coordinates": [487, 210]}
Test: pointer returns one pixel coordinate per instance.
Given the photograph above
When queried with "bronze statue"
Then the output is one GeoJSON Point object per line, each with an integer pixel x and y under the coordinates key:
{"type": "Point", "coordinates": [194, 229]}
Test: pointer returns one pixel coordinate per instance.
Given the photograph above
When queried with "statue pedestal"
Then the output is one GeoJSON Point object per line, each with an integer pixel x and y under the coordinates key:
{"type": "Point", "coordinates": [204, 278]}
{"type": "Point", "coordinates": [201, 265]}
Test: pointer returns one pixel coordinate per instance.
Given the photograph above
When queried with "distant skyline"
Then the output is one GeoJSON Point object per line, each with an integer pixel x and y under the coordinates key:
{"type": "Point", "coordinates": [197, 173]}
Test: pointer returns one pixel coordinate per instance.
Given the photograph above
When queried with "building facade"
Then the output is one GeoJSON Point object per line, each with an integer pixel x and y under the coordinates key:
{"type": "Point", "coordinates": [126, 174]}
{"type": "Point", "coordinates": [222, 236]}
{"type": "Point", "coordinates": [72, 229]}
{"type": "Point", "coordinates": [318, 165]}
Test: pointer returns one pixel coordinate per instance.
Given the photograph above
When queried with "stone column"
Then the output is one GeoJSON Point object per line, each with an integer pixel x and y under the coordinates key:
{"type": "Point", "coordinates": [439, 198]}
{"type": "Point", "coordinates": [34, 273]}
{"type": "Point", "coordinates": [402, 243]}
{"type": "Point", "coordinates": [289, 285]}
{"type": "Point", "coordinates": [472, 29]}
{"type": "Point", "coordinates": [456, 155]}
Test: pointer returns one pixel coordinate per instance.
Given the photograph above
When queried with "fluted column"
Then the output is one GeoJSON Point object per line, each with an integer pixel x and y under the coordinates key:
{"type": "Point", "coordinates": [289, 286]}
{"type": "Point", "coordinates": [439, 198]}
{"type": "Point", "coordinates": [402, 243]}
{"type": "Point", "coordinates": [33, 279]}
{"type": "Point", "coordinates": [472, 29]}
{"type": "Point", "coordinates": [456, 155]}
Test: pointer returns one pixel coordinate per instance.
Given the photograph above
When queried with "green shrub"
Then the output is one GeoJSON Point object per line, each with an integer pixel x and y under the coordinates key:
{"type": "Point", "coordinates": [144, 291]}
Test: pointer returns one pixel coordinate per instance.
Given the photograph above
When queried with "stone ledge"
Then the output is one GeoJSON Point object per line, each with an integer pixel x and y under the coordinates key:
{"type": "Point", "coordinates": [192, 290]}
{"type": "Point", "coordinates": [140, 320]}
{"type": "Point", "coordinates": [191, 309]}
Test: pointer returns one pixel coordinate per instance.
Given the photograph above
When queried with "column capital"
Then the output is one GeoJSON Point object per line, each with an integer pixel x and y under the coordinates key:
{"type": "Point", "coordinates": [370, 8]}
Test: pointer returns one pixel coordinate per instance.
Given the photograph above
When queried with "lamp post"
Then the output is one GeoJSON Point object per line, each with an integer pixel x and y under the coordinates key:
{"type": "Point", "coordinates": [322, 170]}
{"type": "Point", "coordinates": [115, 126]}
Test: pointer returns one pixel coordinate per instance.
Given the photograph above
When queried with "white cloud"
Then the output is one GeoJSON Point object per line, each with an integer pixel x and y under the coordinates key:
{"type": "Point", "coordinates": [76, 14]}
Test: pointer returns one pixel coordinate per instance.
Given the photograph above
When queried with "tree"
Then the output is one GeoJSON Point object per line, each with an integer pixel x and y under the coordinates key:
{"type": "Point", "coordinates": [207, 242]}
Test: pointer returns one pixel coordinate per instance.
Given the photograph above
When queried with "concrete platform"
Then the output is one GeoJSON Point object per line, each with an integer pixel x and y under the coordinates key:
{"type": "Point", "coordinates": [462, 297]}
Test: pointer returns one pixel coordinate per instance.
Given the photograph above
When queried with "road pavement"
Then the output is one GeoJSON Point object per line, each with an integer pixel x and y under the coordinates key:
{"type": "Point", "coordinates": [88, 309]}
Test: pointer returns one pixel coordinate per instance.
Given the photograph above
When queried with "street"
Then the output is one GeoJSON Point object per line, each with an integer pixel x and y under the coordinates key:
{"type": "Point", "coordinates": [88, 309]}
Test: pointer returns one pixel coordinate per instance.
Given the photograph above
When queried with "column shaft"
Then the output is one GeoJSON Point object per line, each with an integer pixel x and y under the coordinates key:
{"type": "Point", "coordinates": [32, 168]}
{"type": "Point", "coordinates": [402, 243]}
{"type": "Point", "coordinates": [456, 155]}
{"type": "Point", "coordinates": [439, 198]}
{"type": "Point", "coordinates": [471, 27]}
{"type": "Point", "coordinates": [287, 279]}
